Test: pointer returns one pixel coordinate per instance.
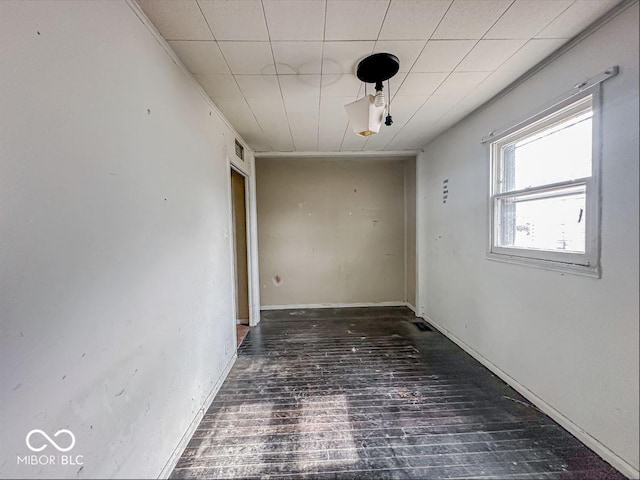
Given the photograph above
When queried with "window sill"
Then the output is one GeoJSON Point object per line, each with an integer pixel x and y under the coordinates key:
{"type": "Point", "coordinates": [580, 270]}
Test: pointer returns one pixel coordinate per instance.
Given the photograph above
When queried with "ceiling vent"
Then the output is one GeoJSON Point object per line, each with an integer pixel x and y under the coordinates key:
{"type": "Point", "coordinates": [239, 150]}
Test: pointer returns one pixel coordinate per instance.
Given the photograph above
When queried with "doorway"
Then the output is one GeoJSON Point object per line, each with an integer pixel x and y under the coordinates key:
{"type": "Point", "coordinates": [240, 245]}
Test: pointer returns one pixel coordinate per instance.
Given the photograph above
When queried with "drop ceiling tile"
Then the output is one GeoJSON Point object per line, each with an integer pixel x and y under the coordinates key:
{"type": "Point", "coordinates": [352, 142]}
{"type": "Point", "coordinates": [257, 141]}
{"type": "Point", "coordinates": [332, 113]}
{"type": "Point", "coordinates": [413, 19]}
{"type": "Point", "coordinates": [417, 84]}
{"type": "Point", "coordinates": [200, 56]}
{"type": "Point", "coordinates": [402, 109]}
{"type": "Point", "coordinates": [354, 19]}
{"type": "Point", "coordinates": [407, 51]}
{"type": "Point", "coordinates": [271, 116]}
{"type": "Point", "coordinates": [237, 111]}
{"type": "Point", "coordinates": [433, 109]}
{"type": "Point", "coordinates": [300, 85]}
{"type": "Point", "coordinates": [488, 55]}
{"type": "Point", "coordinates": [295, 19]}
{"type": "Point", "coordinates": [576, 18]}
{"type": "Point", "coordinates": [380, 140]}
{"type": "Point", "coordinates": [442, 55]}
{"type": "Point", "coordinates": [333, 122]}
{"type": "Point", "coordinates": [340, 85]}
{"type": "Point", "coordinates": [406, 138]}
{"type": "Point", "coordinates": [297, 57]}
{"type": "Point", "coordinates": [343, 57]}
{"type": "Point", "coordinates": [531, 54]}
{"type": "Point", "coordinates": [377, 142]}
{"type": "Point", "coordinates": [248, 57]}
{"type": "Point", "coordinates": [254, 86]}
{"type": "Point", "coordinates": [304, 126]}
{"type": "Point", "coordinates": [526, 18]}
{"type": "Point", "coordinates": [470, 19]}
{"type": "Point", "coordinates": [306, 140]}
{"type": "Point", "coordinates": [328, 144]}
{"type": "Point", "coordinates": [281, 143]}
{"type": "Point", "coordinates": [395, 83]}
{"type": "Point", "coordinates": [219, 86]}
{"type": "Point", "coordinates": [458, 84]}
{"type": "Point", "coordinates": [302, 108]}
{"type": "Point", "coordinates": [177, 20]}
{"type": "Point", "coordinates": [235, 20]}
{"type": "Point", "coordinates": [489, 88]}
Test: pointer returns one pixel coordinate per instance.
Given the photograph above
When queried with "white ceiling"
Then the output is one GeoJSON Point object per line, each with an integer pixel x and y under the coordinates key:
{"type": "Point", "coordinates": [281, 71]}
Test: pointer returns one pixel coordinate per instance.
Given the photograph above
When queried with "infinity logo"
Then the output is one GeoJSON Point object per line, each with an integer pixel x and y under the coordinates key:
{"type": "Point", "coordinates": [50, 440]}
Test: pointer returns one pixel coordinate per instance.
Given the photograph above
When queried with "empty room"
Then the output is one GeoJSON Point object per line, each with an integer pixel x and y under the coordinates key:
{"type": "Point", "coordinates": [341, 239]}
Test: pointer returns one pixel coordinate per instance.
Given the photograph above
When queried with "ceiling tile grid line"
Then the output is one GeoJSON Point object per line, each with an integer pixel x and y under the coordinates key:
{"type": "Point", "coordinates": [279, 83]}
{"type": "Point", "coordinates": [497, 67]}
{"type": "Point", "coordinates": [324, 36]}
{"type": "Point", "coordinates": [455, 104]}
{"type": "Point", "coordinates": [453, 69]}
{"type": "Point", "coordinates": [409, 70]}
{"type": "Point", "coordinates": [226, 61]}
{"type": "Point", "coordinates": [284, 69]}
{"type": "Point", "coordinates": [390, 98]}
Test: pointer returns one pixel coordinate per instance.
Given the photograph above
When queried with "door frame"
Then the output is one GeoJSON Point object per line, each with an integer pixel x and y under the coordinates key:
{"type": "Point", "coordinates": [247, 170]}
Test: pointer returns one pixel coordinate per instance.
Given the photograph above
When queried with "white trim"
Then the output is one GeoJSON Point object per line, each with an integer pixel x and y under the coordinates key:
{"type": "Point", "coordinates": [410, 307]}
{"type": "Point", "coordinates": [359, 153]}
{"type": "Point", "coordinates": [421, 241]}
{"type": "Point", "coordinates": [333, 305]}
{"type": "Point", "coordinates": [252, 250]}
{"type": "Point", "coordinates": [554, 266]}
{"type": "Point", "coordinates": [239, 166]}
{"type": "Point", "coordinates": [182, 444]}
{"type": "Point", "coordinates": [587, 263]}
{"type": "Point", "coordinates": [404, 211]}
{"type": "Point", "coordinates": [591, 442]}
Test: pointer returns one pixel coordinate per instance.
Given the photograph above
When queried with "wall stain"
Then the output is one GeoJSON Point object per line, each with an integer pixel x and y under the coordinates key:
{"type": "Point", "coordinates": [277, 280]}
{"type": "Point", "coordinates": [120, 393]}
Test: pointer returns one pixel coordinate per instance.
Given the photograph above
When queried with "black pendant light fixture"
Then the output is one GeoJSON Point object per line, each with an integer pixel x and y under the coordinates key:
{"type": "Point", "coordinates": [366, 114]}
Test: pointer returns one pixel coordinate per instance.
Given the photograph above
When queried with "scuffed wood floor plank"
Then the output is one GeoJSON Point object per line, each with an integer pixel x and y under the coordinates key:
{"type": "Point", "coordinates": [363, 393]}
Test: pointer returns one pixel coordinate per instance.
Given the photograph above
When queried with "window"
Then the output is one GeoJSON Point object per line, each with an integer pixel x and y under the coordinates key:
{"type": "Point", "coordinates": [544, 189]}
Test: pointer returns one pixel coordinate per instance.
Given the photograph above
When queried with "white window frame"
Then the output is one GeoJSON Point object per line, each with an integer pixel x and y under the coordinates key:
{"type": "Point", "coordinates": [587, 263]}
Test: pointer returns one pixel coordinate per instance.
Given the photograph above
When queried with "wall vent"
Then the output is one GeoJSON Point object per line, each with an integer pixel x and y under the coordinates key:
{"type": "Point", "coordinates": [239, 150]}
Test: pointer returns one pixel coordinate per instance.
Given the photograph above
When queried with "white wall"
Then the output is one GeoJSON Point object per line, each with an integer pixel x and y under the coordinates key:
{"type": "Point", "coordinates": [115, 283]}
{"type": "Point", "coordinates": [569, 342]}
{"type": "Point", "coordinates": [331, 231]}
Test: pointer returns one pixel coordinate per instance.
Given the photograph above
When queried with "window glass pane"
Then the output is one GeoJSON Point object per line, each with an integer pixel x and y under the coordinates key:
{"type": "Point", "coordinates": [556, 154]}
{"type": "Point", "coordinates": [551, 221]}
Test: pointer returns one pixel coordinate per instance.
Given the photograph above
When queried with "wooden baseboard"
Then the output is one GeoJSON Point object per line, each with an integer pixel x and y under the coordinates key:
{"type": "Point", "coordinates": [332, 305]}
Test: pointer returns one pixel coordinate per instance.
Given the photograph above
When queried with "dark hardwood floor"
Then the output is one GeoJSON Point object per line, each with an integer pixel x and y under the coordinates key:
{"type": "Point", "coordinates": [364, 393]}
